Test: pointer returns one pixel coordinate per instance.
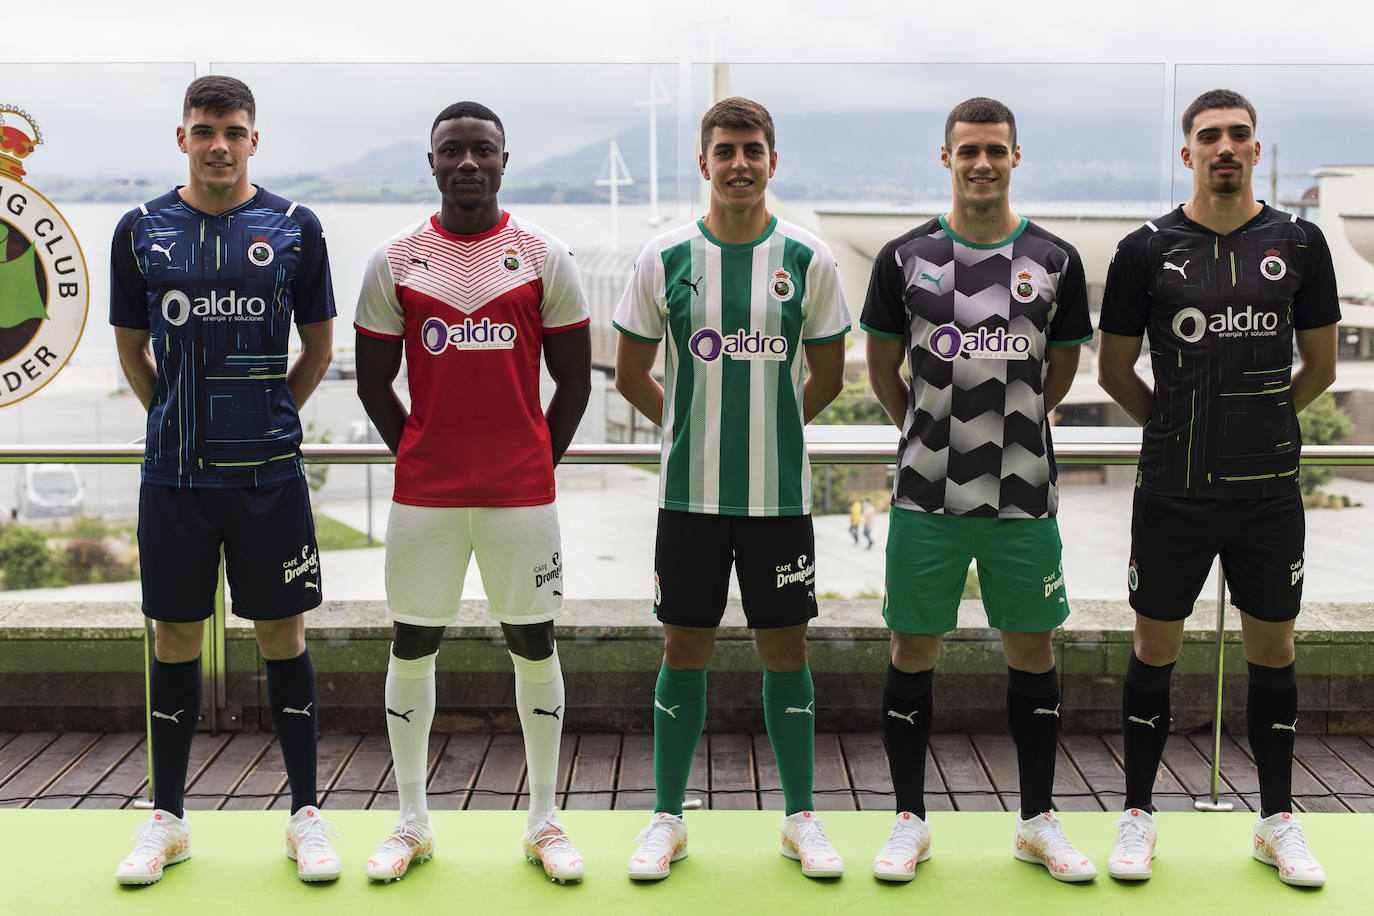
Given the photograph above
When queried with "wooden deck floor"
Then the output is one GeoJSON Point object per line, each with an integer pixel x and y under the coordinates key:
{"type": "Point", "coordinates": [602, 771]}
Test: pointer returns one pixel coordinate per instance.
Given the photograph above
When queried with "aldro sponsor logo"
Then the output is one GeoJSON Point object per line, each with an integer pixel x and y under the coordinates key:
{"type": "Point", "coordinates": [1191, 325]}
{"type": "Point", "coordinates": [948, 342]}
{"type": "Point", "coordinates": [551, 571]}
{"type": "Point", "coordinates": [709, 345]}
{"type": "Point", "coordinates": [436, 335]}
{"type": "Point", "coordinates": [803, 570]}
{"type": "Point", "coordinates": [44, 288]}
{"type": "Point", "coordinates": [307, 564]}
{"type": "Point", "coordinates": [177, 307]}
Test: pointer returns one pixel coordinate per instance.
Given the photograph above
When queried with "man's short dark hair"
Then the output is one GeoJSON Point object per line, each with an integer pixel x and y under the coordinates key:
{"type": "Point", "coordinates": [736, 113]}
{"type": "Point", "coordinates": [1216, 98]}
{"type": "Point", "coordinates": [468, 110]}
{"type": "Point", "coordinates": [979, 110]}
{"type": "Point", "coordinates": [219, 95]}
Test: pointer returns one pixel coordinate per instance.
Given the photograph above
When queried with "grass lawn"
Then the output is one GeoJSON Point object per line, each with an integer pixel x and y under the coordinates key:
{"type": "Point", "coordinates": [332, 534]}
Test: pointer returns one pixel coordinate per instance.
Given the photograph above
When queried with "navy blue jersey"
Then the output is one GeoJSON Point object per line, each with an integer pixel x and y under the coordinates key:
{"type": "Point", "coordinates": [217, 295]}
{"type": "Point", "coordinates": [1220, 312]}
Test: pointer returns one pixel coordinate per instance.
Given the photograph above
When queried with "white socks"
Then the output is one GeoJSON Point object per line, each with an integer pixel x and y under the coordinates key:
{"type": "Point", "coordinates": [539, 700]}
{"type": "Point", "coordinates": [409, 713]}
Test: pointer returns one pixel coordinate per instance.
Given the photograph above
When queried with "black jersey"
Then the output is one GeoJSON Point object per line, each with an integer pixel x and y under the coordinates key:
{"type": "Point", "coordinates": [977, 322]}
{"type": "Point", "coordinates": [1220, 312]}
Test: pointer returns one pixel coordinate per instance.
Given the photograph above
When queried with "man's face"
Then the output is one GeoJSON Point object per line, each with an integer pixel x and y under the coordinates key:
{"type": "Point", "coordinates": [980, 158]}
{"type": "Point", "coordinates": [218, 146]}
{"type": "Point", "coordinates": [468, 156]}
{"type": "Point", "coordinates": [1222, 150]}
{"type": "Point", "coordinates": [738, 164]}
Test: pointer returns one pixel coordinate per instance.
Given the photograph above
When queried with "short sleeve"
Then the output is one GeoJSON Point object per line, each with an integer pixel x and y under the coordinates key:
{"type": "Point", "coordinates": [642, 311]}
{"type": "Point", "coordinates": [1071, 324]}
{"type": "Point", "coordinates": [884, 311]}
{"type": "Point", "coordinates": [128, 291]}
{"type": "Point", "coordinates": [825, 314]}
{"type": "Point", "coordinates": [312, 290]}
{"type": "Point", "coordinates": [564, 306]}
{"type": "Point", "coordinates": [1126, 298]}
{"type": "Point", "coordinates": [379, 311]}
{"type": "Point", "coordinates": [1316, 303]}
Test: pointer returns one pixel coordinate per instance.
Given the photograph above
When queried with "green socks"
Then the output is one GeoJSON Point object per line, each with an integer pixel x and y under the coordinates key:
{"type": "Point", "coordinates": [679, 714]}
{"type": "Point", "coordinates": [789, 711]}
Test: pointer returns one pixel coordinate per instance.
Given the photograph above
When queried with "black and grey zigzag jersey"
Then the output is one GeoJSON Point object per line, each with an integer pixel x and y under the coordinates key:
{"type": "Point", "coordinates": [1220, 312]}
{"type": "Point", "coordinates": [977, 321]}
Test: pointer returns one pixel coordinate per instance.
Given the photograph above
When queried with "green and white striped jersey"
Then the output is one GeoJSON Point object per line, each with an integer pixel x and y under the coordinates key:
{"type": "Point", "coordinates": [735, 318]}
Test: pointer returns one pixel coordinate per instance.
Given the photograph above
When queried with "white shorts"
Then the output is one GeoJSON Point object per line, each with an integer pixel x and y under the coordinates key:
{"type": "Point", "coordinates": [519, 554]}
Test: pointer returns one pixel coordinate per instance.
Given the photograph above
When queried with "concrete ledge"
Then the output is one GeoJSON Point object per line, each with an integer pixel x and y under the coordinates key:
{"type": "Point", "coordinates": [80, 665]}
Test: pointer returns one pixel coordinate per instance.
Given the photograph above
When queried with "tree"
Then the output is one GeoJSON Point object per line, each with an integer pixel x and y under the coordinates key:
{"type": "Point", "coordinates": [25, 558]}
{"type": "Point", "coordinates": [1322, 423]}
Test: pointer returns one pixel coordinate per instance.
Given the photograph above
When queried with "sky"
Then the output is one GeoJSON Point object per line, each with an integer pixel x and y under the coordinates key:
{"type": "Point", "coordinates": [338, 79]}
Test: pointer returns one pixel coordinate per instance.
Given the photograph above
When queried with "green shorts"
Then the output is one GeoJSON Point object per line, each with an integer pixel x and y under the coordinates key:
{"type": "Point", "coordinates": [1020, 570]}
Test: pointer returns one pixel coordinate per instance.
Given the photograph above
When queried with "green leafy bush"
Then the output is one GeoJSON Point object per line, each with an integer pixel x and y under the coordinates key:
{"type": "Point", "coordinates": [25, 558]}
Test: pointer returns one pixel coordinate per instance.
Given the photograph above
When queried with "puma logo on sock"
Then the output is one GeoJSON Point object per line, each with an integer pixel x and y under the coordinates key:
{"type": "Point", "coordinates": [909, 720]}
{"type": "Point", "coordinates": [545, 712]}
{"type": "Point", "coordinates": [1150, 722]}
{"type": "Point", "coordinates": [658, 705]}
{"type": "Point", "coordinates": [172, 717]}
{"type": "Point", "coordinates": [1042, 711]}
{"type": "Point", "coordinates": [400, 715]}
{"type": "Point", "coordinates": [809, 710]}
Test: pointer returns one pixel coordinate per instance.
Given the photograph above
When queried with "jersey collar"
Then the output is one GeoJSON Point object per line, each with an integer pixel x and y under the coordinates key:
{"type": "Point", "coordinates": [500, 224]}
{"type": "Point", "coordinates": [742, 246]}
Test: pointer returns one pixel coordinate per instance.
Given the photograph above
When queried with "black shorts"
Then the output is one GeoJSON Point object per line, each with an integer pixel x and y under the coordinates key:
{"type": "Point", "coordinates": [1174, 540]}
{"type": "Point", "coordinates": [271, 559]}
{"type": "Point", "coordinates": [774, 559]}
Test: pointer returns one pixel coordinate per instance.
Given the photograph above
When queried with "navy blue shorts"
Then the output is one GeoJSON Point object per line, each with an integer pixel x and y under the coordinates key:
{"type": "Point", "coordinates": [1174, 541]}
{"type": "Point", "coordinates": [774, 559]}
{"type": "Point", "coordinates": [271, 559]}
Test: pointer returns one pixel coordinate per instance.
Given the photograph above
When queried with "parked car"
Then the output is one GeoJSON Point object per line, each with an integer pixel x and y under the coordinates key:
{"type": "Point", "coordinates": [44, 490]}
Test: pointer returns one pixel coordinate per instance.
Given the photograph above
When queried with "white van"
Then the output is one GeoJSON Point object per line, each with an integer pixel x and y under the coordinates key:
{"type": "Point", "coordinates": [44, 490]}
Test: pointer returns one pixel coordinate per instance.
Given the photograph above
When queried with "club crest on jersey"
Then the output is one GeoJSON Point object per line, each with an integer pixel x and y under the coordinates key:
{"type": "Point", "coordinates": [1273, 267]}
{"type": "Point", "coordinates": [1023, 290]}
{"type": "Point", "coordinates": [43, 281]}
{"type": "Point", "coordinates": [708, 345]}
{"type": "Point", "coordinates": [511, 261]}
{"type": "Point", "coordinates": [1133, 576]}
{"type": "Point", "coordinates": [260, 254]}
{"type": "Point", "coordinates": [780, 286]}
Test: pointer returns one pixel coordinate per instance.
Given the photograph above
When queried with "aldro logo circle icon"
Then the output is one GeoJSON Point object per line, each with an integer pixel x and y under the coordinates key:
{"type": "Point", "coordinates": [260, 253]}
{"type": "Point", "coordinates": [1272, 267]}
{"type": "Point", "coordinates": [44, 287]}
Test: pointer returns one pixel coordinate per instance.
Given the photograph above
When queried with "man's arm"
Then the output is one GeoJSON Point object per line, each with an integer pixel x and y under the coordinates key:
{"type": "Point", "coordinates": [824, 376]}
{"type": "Point", "coordinates": [317, 349]}
{"type": "Point", "coordinates": [136, 357]}
{"type": "Point", "coordinates": [1317, 350]}
{"type": "Point", "coordinates": [885, 357]}
{"type": "Point", "coordinates": [634, 368]}
{"type": "Point", "coordinates": [1116, 356]}
{"type": "Point", "coordinates": [378, 362]}
{"type": "Point", "coordinates": [1063, 366]}
{"type": "Point", "coordinates": [568, 354]}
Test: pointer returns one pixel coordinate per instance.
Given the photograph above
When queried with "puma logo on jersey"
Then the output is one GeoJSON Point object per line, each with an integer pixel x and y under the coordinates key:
{"type": "Point", "coordinates": [658, 705]}
{"type": "Point", "coordinates": [421, 261]}
{"type": "Point", "coordinates": [1042, 711]}
{"type": "Point", "coordinates": [936, 280]}
{"type": "Point", "coordinates": [1182, 272]}
{"type": "Point", "coordinates": [545, 712]}
{"type": "Point", "coordinates": [908, 719]}
{"type": "Point", "coordinates": [809, 710]}
{"type": "Point", "coordinates": [1280, 727]}
{"type": "Point", "coordinates": [166, 251]}
{"type": "Point", "coordinates": [172, 717]}
{"type": "Point", "coordinates": [683, 281]}
{"type": "Point", "coordinates": [1150, 722]}
{"type": "Point", "coordinates": [298, 712]}
{"type": "Point", "coordinates": [400, 715]}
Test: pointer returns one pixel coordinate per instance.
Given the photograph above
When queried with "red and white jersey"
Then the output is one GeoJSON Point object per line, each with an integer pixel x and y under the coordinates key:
{"type": "Point", "coordinates": [473, 311]}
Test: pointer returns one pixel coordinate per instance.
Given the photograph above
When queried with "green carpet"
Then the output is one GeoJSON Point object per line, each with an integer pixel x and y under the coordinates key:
{"type": "Point", "coordinates": [63, 862]}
